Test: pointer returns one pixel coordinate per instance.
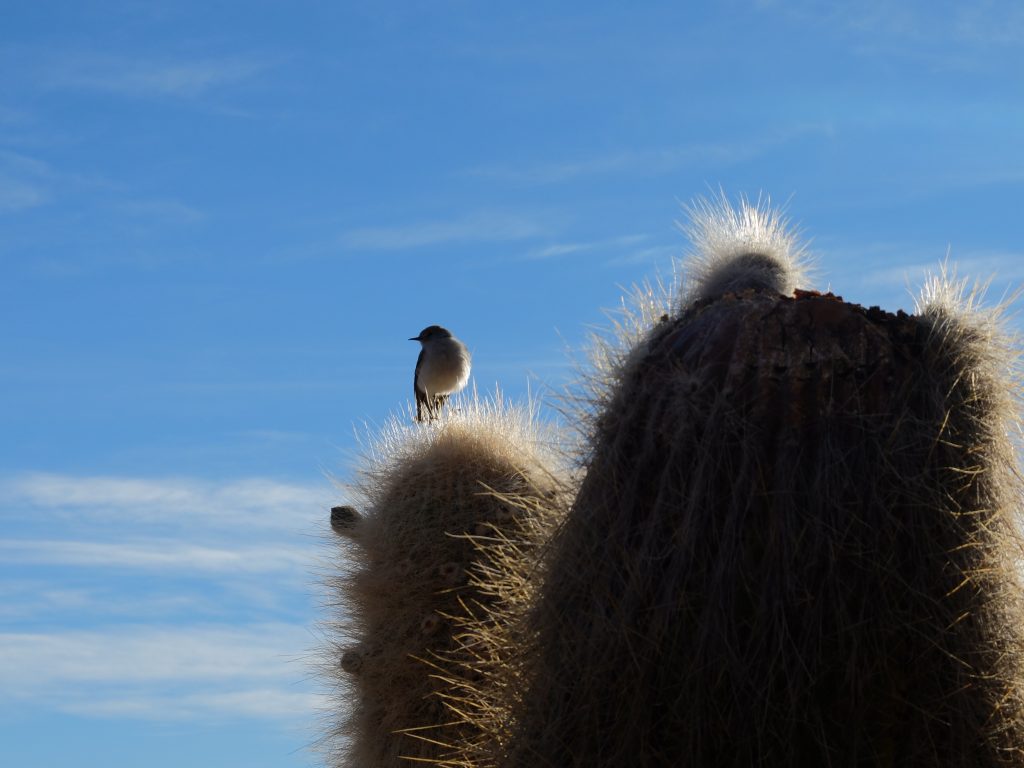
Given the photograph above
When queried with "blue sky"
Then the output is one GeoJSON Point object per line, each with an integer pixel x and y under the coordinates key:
{"type": "Point", "coordinates": [221, 222]}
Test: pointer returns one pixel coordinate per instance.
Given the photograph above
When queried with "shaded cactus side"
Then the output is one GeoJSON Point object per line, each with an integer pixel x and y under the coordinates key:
{"type": "Point", "coordinates": [794, 544]}
{"type": "Point", "coordinates": [491, 632]}
{"type": "Point", "coordinates": [411, 590]}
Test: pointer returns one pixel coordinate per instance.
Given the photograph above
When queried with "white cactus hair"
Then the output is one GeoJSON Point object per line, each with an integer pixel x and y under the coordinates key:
{"type": "Point", "coordinates": [947, 298]}
{"type": "Point", "coordinates": [749, 246]}
{"type": "Point", "coordinates": [975, 340]}
{"type": "Point", "coordinates": [487, 416]}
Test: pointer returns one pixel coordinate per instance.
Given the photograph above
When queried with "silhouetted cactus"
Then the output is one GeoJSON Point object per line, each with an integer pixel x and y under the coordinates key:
{"type": "Point", "coordinates": [419, 620]}
{"type": "Point", "coordinates": [795, 542]}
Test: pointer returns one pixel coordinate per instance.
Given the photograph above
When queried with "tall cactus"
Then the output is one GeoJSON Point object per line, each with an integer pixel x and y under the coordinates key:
{"type": "Point", "coordinates": [795, 542]}
{"type": "Point", "coordinates": [420, 613]}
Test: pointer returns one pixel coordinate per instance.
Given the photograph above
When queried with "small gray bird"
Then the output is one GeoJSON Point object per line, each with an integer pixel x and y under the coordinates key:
{"type": "Point", "coordinates": [441, 370]}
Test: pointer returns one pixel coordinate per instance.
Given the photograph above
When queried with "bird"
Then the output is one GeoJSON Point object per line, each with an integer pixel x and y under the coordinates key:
{"type": "Point", "coordinates": [442, 369]}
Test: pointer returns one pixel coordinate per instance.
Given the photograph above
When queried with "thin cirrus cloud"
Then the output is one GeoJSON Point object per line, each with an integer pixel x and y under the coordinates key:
{"type": "Point", "coordinates": [104, 619]}
{"type": "Point", "coordinates": [140, 77]}
{"type": "Point", "coordinates": [27, 181]}
{"type": "Point", "coordinates": [251, 703]}
{"type": "Point", "coordinates": [998, 22]}
{"type": "Point", "coordinates": [908, 266]}
{"type": "Point", "coordinates": [17, 195]}
{"type": "Point", "coordinates": [161, 673]}
{"type": "Point", "coordinates": [162, 210]}
{"type": "Point", "coordinates": [480, 227]}
{"type": "Point", "coordinates": [653, 255]}
{"type": "Point", "coordinates": [556, 250]}
{"type": "Point", "coordinates": [39, 598]}
{"type": "Point", "coordinates": [156, 555]}
{"type": "Point", "coordinates": [255, 502]}
{"type": "Point", "coordinates": [946, 39]}
{"type": "Point", "coordinates": [24, 182]}
{"type": "Point", "coordinates": [654, 161]}
{"type": "Point", "coordinates": [146, 654]}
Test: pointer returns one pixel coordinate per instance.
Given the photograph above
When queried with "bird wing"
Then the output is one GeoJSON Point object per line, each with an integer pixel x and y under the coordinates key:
{"type": "Point", "coordinates": [421, 396]}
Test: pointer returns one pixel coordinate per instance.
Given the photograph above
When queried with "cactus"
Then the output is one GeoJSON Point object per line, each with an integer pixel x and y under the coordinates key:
{"type": "Point", "coordinates": [794, 544]}
{"type": "Point", "coordinates": [419, 620]}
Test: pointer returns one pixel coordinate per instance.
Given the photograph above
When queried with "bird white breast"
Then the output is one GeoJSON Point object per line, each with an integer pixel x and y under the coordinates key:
{"type": "Point", "coordinates": [445, 367]}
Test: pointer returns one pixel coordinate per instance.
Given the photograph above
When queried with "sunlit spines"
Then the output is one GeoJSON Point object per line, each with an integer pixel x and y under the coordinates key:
{"type": "Point", "coordinates": [411, 591]}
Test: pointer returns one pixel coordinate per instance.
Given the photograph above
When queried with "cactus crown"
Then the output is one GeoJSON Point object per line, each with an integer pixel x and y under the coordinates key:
{"type": "Point", "coordinates": [748, 247]}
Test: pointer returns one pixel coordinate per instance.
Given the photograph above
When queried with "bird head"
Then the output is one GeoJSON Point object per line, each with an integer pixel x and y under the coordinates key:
{"type": "Point", "coordinates": [432, 332]}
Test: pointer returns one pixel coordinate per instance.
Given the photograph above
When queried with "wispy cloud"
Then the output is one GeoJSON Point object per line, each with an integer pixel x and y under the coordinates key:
{"type": "Point", "coordinates": [256, 703]}
{"type": "Point", "coordinates": [122, 655]}
{"type": "Point", "coordinates": [617, 251]}
{"type": "Point", "coordinates": [259, 565]}
{"type": "Point", "coordinates": [997, 265]}
{"type": "Point", "coordinates": [948, 37]}
{"type": "Point", "coordinates": [653, 255]}
{"type": "Point", "coordinates": [713, 154]}
{"type": "Point", "coordinates": [156, 555]}
{"type": "Point", "coordinates": [558, 249]}
{"type": "Point", "coordinates": [139, 76]}
{"type": "Point", "coordinates": [161, 673]}
{"type": "Point", "coordinates": [252, 502]}
{"type": "Point", "coordinates": [479, 227]}
{"type": "Point", "coordinates": [24, 599]}
{"type": "Point", "coordinates": [555, 250]}
{"type": "Point", "coordinates": [990, 23]}
{"type": "Point", "coordinates": [9, 116]}
{"type": "Point", "coordinates": [23, 182]}
{"type": "Point", "coordinates": [892, 273]}
{"type": "Point", "coordinates": [18, 195]}
{"type": "Point", "coordinates": [166, 211]}
{"type": "Point", "coordinates": [27, 182]}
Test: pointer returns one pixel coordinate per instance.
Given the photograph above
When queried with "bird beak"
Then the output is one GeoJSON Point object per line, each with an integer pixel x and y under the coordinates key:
{"type": "Point", "coordinates": [414, 338]}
